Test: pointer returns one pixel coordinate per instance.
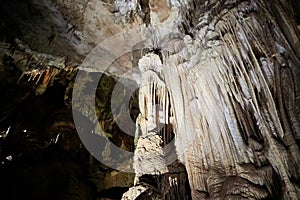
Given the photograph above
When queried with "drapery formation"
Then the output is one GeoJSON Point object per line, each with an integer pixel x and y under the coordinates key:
{"type": "Point", "coordinates": [233, 102]}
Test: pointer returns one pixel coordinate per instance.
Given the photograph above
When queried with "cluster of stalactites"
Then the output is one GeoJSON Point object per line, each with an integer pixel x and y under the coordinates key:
{"type": "Point", "coordinates": [153, 95]}
{"type": "Point", "coordinates": [36, 67]}
{"type": "Point", "coordinates": [40, 76]}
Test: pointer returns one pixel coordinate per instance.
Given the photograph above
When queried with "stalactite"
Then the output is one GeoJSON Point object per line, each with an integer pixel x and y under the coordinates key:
{"type": "Point", "coordinates": [39, 68]}
{"type": "Point", "coordinates": [226, 112]}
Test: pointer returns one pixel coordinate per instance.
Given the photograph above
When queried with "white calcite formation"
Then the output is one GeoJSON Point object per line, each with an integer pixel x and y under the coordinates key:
{"type": "Point", "coordinates": [231, 96]}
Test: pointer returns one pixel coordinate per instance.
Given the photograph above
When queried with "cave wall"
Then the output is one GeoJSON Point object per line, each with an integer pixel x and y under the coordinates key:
{"type": "Point", "coordinates": [221, 100]}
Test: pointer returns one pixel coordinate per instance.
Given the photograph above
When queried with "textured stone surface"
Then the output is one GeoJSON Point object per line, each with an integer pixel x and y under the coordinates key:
{"type": "Point", "coordinates": [221, 100]}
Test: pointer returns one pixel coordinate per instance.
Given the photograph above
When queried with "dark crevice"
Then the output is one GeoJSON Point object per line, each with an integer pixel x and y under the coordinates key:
{"type": "Point", "coordinates": [114, 193]}
{"type": "Point", "coordinates": [152, 180]}
{"type": "Point", "coordinates": [144, 4]}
